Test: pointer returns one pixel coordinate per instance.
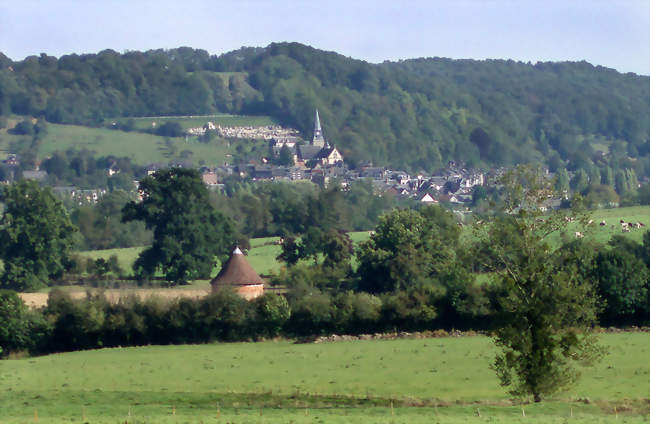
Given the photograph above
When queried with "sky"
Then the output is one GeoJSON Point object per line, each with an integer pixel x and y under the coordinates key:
{"type": "Point", "coordinates": [611, 33]}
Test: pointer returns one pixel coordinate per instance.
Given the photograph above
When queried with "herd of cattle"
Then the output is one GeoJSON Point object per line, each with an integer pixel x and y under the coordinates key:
{"type": "Point", "coordinates": [626, 227]}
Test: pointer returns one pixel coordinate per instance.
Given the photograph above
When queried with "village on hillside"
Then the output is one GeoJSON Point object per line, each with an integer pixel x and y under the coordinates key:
{"type": "Point", "coordinates": [317, 160]}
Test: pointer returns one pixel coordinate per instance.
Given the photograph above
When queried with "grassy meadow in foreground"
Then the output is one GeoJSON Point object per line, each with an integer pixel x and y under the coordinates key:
{"type": "Point", "coordinates": [448, 378]}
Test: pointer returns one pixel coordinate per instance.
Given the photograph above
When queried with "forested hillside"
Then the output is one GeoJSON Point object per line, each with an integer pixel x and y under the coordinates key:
{"type": "Point", "coordinates": [415, 114]}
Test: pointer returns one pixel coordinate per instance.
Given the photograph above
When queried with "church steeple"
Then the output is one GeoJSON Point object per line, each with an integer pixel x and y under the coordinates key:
{"type": "Point", "coordinates": [318, 139]}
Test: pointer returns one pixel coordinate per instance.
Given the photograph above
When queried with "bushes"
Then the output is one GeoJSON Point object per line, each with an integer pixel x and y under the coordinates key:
{"type": "Point", "coordinates": [67, 324]}
{"type": "Point", "coordinates": [314, 306]}
{"type": "Point", "coordinates": [20, 328]}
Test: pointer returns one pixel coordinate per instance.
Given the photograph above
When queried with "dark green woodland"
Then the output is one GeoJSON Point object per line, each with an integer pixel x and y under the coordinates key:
{"type": "Point", "coordinates": [413, 114]}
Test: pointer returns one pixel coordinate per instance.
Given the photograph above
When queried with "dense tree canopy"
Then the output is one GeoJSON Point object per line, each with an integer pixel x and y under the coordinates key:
{"type": "Point", "coordinates": [35, 236]}
{"type": "Point", "coordinates": [188, 233]}
{"type": "Point", "coordinates": [416, 114]}
{"type": "Point", "coordinates": [409, 249]}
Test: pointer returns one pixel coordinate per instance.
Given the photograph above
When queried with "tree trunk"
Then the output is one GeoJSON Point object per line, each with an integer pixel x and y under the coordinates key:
{"type": "Point", "coordinates": [537, 397]}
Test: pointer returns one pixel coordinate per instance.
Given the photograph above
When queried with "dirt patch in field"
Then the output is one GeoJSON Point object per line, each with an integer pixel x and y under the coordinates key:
{"type": "Point", "coordinates": [37, 300]}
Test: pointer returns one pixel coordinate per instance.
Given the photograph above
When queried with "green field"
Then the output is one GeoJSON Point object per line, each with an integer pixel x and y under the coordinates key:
{"type": "Point", "coordinates": [141, 148]}
{"type": "Point", "coordinates": [263, 252]}
{"type": "Point", "coordinates": [427, 380]}
{"type": "Point", "coordinates": [612, 216]}
{"type": "Point", "coordinates": [261, 256]}
{"type": "Point", "coordinates": [595, 231]}
{"type": "Point", "coordinates": [224, 120]}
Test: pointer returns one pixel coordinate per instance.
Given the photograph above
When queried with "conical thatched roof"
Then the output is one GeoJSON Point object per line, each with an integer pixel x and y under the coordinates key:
{"type": "Point", "coordinates": [236, 272]}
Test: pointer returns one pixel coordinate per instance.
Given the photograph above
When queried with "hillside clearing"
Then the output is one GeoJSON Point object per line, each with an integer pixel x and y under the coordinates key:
{"type": "Point", "coordinates": [140, 148]}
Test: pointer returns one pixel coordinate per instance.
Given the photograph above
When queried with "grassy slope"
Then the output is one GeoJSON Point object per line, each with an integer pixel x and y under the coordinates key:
{"type": "Point", "coordinates": [243, 377]}
{"type": "Point", "coordinates": [613, 227]}
{"type": "Point", "coordinates": [225, 120]}
{"type": "Point", "coordinates": [139, 147]}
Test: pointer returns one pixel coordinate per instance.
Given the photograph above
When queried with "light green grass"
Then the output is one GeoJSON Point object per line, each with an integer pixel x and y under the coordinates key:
{"type": "Point", "coordinates": [262, 255]}
{"type": "Point", "coordinates": [612, 216]}
{"type": "Point", "coordinates": [334, 381]}
{"type": "Point", "coordinates": [125, 257]}
{"type": "Point", "coordinates": [198, 121]}
{"type": "Point", "coordinates": [141, 148]}
{"type": "Point", "coordinates": [595, 231]}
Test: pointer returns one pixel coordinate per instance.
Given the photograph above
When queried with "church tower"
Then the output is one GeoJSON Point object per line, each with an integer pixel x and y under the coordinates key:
{"type": "Point", "coordinates": [318, 139]}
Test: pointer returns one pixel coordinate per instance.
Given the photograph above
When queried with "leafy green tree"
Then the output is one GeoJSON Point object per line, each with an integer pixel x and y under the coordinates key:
{"type": "Point", "coordinates": [271, 313]}
{"type": "Point", "coordinates": [580, 181]}
{"type": "Point", "coordinates": [600, 196]}
{"type": "Point", "coordinates": [14, 327]}
{"type": "Point", "coordinates": [478, 194]}
{"type": "Point", "coordinates": [643, 194]}
{"type": "Point", "coordinates": [408, 249]}
{"type": "Point", "coordinates": [285, 157]}
{"type": "Point", "coordinates": [188, 233]}
{"type": "Point", "coordinates": [35, 236]}
{"type": "Point", "coordinates": [290, 253]}
{"type": "Point", "coordinates": [622, 282]}
{"type": "Point", "coordinates": [101, 227]}
{"type": "Point", "coordinates": [337, 246]}
{"type": "Point", "coordinates": [548, 308]}
{"type": "Point", "coordinates": [562, 181]}
{"type": "Point", "coordinates": [607, 176]}
{"type": "Point", "coordinates": [625, 181]}
{"type": "Point", "coordinates": [170, 129]}
{"type": "Point", "coordinates": [24, 127]}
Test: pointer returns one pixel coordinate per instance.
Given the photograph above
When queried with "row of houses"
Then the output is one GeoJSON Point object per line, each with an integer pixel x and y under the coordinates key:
{"type": "Point", "coordinates": [318, 161]}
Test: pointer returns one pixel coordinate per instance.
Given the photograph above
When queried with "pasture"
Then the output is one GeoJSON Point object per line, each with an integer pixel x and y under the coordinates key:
{"type": "Point", "coordinates": [596, 232]}
{"type": "Point", "coordinates": [388, 381]}
{"type": "Point", "coordinates": [141, 148]}
{"type": "Point", "coordinates": [222, 119]}
{"type": "Point", "coordinates": [261, 255]}
{"type": "Point", "coordinates": [612, 226]}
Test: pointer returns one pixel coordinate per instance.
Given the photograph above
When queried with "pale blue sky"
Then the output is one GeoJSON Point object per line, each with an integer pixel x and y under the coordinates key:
{"type": "Point", "coordinates": [612, 33]}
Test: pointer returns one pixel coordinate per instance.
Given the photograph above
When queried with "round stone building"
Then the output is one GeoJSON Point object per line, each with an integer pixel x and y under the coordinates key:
{"type": "Point", "coordinates": [238, 274]}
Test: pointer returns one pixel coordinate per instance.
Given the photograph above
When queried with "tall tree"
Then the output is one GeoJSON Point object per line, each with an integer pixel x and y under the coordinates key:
{"type": "Point", "coordinates": [548, 308]}
{"type": "Point", "coordinates": [409, 249]}
{"type": "Point", "coordinates": [35, 236]}
{"type": "Point", "coordinates": [188, 233]}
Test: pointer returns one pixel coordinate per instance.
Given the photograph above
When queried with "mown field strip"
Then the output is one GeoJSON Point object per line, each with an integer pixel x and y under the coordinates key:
{"type": "Point", "coordinates": [338, 382]}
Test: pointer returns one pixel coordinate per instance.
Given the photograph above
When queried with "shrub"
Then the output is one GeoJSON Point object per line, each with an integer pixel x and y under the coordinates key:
{"type": "Point", "coordinates": [271, 314]}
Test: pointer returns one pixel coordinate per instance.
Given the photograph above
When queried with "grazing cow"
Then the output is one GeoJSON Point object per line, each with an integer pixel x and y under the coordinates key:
{"type": "Point", "coordinates": [591, 221]}
{"type": "Point", "coordinates": [579, 234]}
{"type": "Point", "coordinates": [637, 225]}
{"type": "Point", "coordinates": [603, 223]}
{"type": "Point", "coordinates": [626, 230]}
